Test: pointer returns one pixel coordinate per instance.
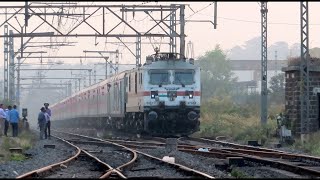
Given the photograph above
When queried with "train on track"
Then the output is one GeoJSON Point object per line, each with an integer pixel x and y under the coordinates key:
{"type": "Point", "coordinates": [160, 98]}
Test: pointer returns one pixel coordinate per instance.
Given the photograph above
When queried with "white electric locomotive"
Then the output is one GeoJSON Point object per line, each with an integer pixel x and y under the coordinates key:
{"type": "Point", "coordinates": [160, 98]}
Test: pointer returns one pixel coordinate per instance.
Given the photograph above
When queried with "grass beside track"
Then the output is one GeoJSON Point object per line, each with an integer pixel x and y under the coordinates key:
{"type": "Point", "coordinates": [25, 140]}
{"type": "Point", "coordinates": [311, 147]}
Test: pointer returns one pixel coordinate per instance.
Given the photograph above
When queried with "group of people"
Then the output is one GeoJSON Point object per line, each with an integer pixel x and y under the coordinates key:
{"type": "Point", "coordinates": [44, 121]}
{"type": "Point", "coordinates": [9, 115]}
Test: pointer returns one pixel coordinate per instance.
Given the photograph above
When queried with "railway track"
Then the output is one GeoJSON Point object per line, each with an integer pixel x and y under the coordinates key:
{"type": "Point", "coordinates": [105, 159]}
{"type": "Point", "coordinates": [83, 164]}
{"type": "Point", "coordinates": [296, 163]}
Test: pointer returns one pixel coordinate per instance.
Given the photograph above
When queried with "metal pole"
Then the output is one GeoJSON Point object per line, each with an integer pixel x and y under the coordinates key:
{"type": "Point", "coordinates": [110, 66]}
{"type": "Point", "coordinates": [75, 86]}
{"type": "Point", "coordinates": [117, 62]}
{"type": "Point", "coordinates": [182, 35]}
{"type": "Point", "coordinates": [264, 79]}
{"type": "Point", "coordinates": [6, 64]}
{"type": "Point", "coordinates": [11, 68]}
{"type": "Point", "coordinates": [90, 77]}
{"type": "Point", "coordinates": [138, 51]}
{"type": "Point", "coordinates": [106, 68]}
{"type": "Point", "coordinates": [79, 84]}
{"type": "Point", "coordinates": [173, 39]}
{"type": "Point", "coordinates": [18, 85]}
{"type": "Point", "coordinates": [215, 15]}
{"type": "Point", "coordinates": [276, 58]}
{"type": "Point", "coordinates": [18, 73]}
{"type": "Point", "coordinates": [69, 88]}
{"type": "Point", "coordinates": [95, 74]}
{"type": "Point", "coordinates": [304, 71]}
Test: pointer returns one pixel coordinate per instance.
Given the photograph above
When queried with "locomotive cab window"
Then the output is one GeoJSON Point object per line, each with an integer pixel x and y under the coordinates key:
{"type": "Point", "coordinates": [185, 77]}
{"type": "Point", "coordinates": [159, 77]}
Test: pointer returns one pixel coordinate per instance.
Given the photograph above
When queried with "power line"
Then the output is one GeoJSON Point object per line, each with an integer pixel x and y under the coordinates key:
{"type": "Point", "coordinates": [198, 10]}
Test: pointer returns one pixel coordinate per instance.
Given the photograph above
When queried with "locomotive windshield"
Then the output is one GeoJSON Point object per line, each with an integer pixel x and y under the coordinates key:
{"type": "Point", "coordinates": [159, 77]}
{"type": "Point", "coordinates": [183, 77]}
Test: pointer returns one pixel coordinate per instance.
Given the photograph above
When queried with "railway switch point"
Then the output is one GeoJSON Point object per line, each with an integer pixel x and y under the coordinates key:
{"type": "Point", "coordinates": [15, 150]}
{"type": "Point", "coordinates": [52, 146]}
{"type": "Point", "coordinates": [236, 161]}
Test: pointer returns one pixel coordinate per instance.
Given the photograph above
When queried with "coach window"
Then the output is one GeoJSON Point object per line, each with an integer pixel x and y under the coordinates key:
{"type": "Point", "coordinates": [140, 78]}
{"type": "Point", "coordinates": [135, 82]}
{"type": "Point", "coordinates": [129, 83]}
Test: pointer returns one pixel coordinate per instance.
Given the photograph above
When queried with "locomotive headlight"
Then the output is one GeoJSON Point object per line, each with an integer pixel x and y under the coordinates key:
{"type": "Point", "coordinates": [154, 94]}
{"type": "Point", "coordinates": [190, 94]}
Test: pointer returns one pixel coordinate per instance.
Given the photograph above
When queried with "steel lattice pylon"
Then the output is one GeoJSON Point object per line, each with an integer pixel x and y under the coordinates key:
{"type": "Point", "coordinates": [304, 69]}
{"type": "Point", "coordinates": [173, 39]}
{"type": "Point", "coordinates": [182, 35]}
{"type": "Point", "coordinates": [12, 91]}
{"type": "Point", "coordinates": [264, 48]}
{"type": "Point", "coordinates": [138, 51]}
{"type": "Point", "coordinates": [6, 63]}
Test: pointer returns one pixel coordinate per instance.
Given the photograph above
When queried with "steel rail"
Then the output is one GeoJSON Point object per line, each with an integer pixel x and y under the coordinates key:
{"type": "Point", "coordinates": [36, 172]}
{"type": "Point", "coordinates": [115, 144]}
{"type": "Point", "coordinates": [223, 154]}
{"type": "Point", "coordinates": [234, 145]}
{"type": "Point", "coordinates": [153, 157]}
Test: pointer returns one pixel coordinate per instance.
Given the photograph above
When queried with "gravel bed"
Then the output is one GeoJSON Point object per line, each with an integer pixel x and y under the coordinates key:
{"type": "Point", "coordinates": [113, 156]}
{"type": "Point", "coordinates": [39, 157]}
{"type": "Point", "coordinates": [145, 167]}
{"type": "Point", "coordinates": [200, 163]}
{"type": "Point", "coordinates": [82, 167]}
{"type": "Point", "coordinates": [265, 172]}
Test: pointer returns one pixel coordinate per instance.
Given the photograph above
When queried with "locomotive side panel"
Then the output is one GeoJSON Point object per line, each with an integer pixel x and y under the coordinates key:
{"type": "Point", "coordinates": [135, 92]}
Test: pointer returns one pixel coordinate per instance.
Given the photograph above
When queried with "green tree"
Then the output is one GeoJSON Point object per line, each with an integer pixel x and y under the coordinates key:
{"type": "Point", "coordinates": [216, 75]}
{"type": "Point", "coordinates": [277, 89]}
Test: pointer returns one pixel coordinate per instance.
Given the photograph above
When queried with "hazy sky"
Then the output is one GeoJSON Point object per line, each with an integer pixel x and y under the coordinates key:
{"type": "Point", "coordinates": [237, 23]}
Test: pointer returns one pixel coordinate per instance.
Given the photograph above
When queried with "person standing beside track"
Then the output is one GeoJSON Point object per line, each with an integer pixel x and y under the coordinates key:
{"type": "Point", "coordinates": [48, 124]}
{"type": "Point", "coordinates": [14, 120]}
{"type": "Point", "coordinates": [7, 120]}
{"type": "Point", "coordinates": [2, 118]}
{"type": "Point", "coordinates": [42, 122]}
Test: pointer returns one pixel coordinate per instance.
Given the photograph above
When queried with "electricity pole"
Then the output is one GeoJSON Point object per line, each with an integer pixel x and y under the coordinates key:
{"type": "Point", "coordinates": [264, 79]}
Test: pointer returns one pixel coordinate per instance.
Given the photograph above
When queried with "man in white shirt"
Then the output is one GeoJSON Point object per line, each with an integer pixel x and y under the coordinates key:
{"type": "Point", "coordinates": [2, 119]}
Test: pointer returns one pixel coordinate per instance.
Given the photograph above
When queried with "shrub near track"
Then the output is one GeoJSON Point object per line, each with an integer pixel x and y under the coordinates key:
{"type": "Point", "coordinates": [221, 117]}
{"type": "Point", "coordinates": [311, 147]}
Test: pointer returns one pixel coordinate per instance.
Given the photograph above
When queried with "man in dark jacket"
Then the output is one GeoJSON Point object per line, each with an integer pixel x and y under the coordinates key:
{"type": "Point", "coordinates": [47, 128]}
{"type": "Point", "coordinates": [42, 122]}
